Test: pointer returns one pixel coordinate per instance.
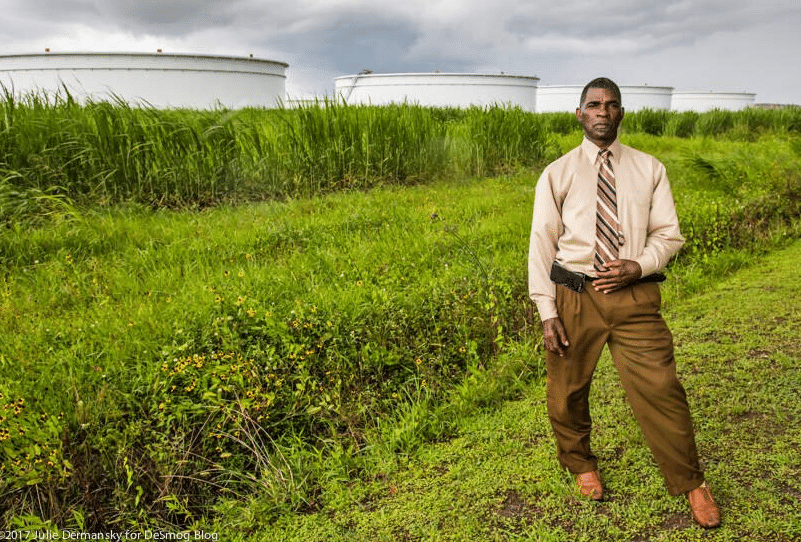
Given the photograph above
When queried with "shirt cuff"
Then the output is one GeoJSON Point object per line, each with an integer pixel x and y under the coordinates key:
{"type": "Point", "coordinates": [547, 308]}
{"type": "Point", "coordinates": [647, 265]}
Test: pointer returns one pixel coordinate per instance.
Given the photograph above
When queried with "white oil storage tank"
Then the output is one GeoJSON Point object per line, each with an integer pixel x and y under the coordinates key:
{"type": "Point", "coordinates": [558, 98]}
{"type": "Point", "coordinates": [439, 89]}
{"type": "Point", "coordinates": [636, 98]}
{"type": "Point", "coordinates": [159, 80]}
{"type": "Point", "coordinates": [707, 101]}
{"type": "Point", "coordinates": [561, 98]}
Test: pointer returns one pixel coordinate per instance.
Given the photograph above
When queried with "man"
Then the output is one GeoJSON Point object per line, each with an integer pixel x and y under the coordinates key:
{"type": "Point", "coordinates": [604, 225]}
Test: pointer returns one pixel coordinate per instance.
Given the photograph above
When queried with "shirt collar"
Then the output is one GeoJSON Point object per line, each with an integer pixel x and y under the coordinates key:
{"type": "Point", "coordinates": [591, 150]}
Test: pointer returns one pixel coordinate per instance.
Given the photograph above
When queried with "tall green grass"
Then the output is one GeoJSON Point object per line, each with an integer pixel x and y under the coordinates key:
{"type": "Point", "coordinates": [744, 125]}
{"type": "Point", "coordinates": [56, 153]}
{"type": "Point", "coordinates": [107, 153]}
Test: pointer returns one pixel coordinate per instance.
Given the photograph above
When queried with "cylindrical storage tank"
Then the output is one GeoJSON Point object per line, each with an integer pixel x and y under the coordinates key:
{"type": "Point", "coordinates": [646, 97]}
{"type": "Point", "coordinates": [439, 89]}
{"type": "Point", "coordinates": [707, 101]}
{"type": "Point", "coordinates": [158, 80]}
{"type": "Point", "coordinates": [560, 98]}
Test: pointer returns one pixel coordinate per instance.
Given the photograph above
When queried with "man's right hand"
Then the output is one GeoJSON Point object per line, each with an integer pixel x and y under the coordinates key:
{"type": "Point", "coordinates": [555, 336]}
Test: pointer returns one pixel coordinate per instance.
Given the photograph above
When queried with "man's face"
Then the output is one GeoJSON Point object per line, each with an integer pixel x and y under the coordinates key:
{"type": "Point", "coordinates": [600, 116]}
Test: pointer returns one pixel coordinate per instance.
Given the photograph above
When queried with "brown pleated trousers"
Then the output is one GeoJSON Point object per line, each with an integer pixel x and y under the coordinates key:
{"type": "Point", "coordinates": [641, 345]}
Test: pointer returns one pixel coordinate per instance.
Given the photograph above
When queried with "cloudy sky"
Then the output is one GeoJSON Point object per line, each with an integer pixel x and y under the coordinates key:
{"type": "Point", "coordinates": [732, 45]}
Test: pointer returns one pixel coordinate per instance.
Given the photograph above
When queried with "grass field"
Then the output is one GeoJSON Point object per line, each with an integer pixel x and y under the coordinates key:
{"type": "Point", "coordinates": [168, 362]}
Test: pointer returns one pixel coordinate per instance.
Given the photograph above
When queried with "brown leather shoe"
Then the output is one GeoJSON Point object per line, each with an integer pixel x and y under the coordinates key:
{"type": "Point", "coordinates": [705, 511]}
{"type": "Point", "coordinates": [590, 485]}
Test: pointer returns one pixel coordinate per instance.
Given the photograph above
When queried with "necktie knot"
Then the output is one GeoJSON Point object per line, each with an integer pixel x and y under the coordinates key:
{"type": "Point", "coordinates": [605, 154]}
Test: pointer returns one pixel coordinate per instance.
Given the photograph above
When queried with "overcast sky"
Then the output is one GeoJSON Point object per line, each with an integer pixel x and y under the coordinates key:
{"type": "Point", "coordinates": [710, 45]}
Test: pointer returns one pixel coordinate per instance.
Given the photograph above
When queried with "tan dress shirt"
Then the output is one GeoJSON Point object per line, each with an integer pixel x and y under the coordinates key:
{"type": "Point", "coordinates": [563, 227]}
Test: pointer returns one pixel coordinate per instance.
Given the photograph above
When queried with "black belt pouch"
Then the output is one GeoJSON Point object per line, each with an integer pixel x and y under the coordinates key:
{"type": "Point", "coordinates": [567, 278]}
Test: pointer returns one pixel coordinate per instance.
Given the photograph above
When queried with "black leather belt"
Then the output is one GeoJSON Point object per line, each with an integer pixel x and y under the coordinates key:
{"type": "Point", "coordinates": [576, 281]}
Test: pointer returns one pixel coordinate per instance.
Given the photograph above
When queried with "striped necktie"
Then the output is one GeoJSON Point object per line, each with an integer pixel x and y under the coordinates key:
{"type": "Point", "coordinates": [607, 229]}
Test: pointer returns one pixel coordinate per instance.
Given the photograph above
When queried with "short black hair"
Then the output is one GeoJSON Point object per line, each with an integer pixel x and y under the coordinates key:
{"type": "Point", "coordinates": [604, 83]}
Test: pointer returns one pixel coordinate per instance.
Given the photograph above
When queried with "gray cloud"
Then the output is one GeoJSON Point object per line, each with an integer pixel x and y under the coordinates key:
{"type": "Point", "coordinates": [180, 15]}
{"type": "Point", "coordinates": [620, 26]}
{"type": "Point", "coordinates": [355, 42]}
{"type": "Point", "coordinates": [177, 17]}
{"type": "Point", "coordinates": [656, 40]}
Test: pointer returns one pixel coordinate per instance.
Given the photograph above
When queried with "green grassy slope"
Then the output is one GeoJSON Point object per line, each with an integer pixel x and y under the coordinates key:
{"type": "Point", "coordinates": [739, 351]}
{"type": "Point", "coordinates": [341, 332]}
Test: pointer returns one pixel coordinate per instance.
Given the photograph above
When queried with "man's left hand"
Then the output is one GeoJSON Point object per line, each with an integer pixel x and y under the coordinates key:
{"type": "Point", "coordinates": [619, 274]}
